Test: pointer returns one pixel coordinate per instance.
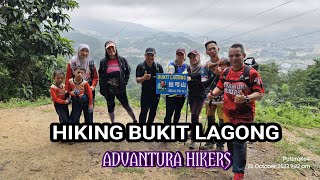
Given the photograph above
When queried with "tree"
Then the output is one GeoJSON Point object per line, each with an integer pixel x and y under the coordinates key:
{"type": "Point", "coordinates": [313, 81]}
{"type": "Point", "coordinates": [297, 83]}
{"type": "Point", "coordinates": [31, 43]}
{"type": "Point", "coordinates": [270, 75]}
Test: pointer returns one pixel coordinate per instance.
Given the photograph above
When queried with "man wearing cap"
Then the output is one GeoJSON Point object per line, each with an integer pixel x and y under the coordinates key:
{"type": "Point", "coordinates": [174, 103]}
{"type": "Point", "coordinates": [146, 75]}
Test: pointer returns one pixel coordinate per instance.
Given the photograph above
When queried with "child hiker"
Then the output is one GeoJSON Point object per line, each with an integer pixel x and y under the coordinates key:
{"type": "Point", "coordinates": [81, 95]}
{"type": "Point", "coordinates": [59, 97]}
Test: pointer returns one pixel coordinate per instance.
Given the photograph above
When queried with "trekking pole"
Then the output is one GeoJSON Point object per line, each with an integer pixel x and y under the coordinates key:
{"type": "Point", "coordinates": [208, 109]}
{"type": "Point", "coordinates": [204, 127]}
{"type": "Point", "coordinates": [186, 114]}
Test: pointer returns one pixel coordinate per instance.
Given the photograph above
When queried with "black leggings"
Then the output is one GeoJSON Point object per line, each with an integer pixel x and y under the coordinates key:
{"type": "Point", "coordinates": [173, 105]}
{"type": "Point", "coordinates": [122, 97]}
{"type": "Point", "coordinates": [195, 107]}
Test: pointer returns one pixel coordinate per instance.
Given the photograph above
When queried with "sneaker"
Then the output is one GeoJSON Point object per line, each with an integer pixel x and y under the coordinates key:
{"type": "Point", "coordinates": [135, 121]}
{"type": "Point", "coordinates": [192, 145]}
{"type": "Point", "coordinates": [238, 176]}
{"type": "Point", "coordinates": [220, 148]}
{"type": "Point", "coordinates": [208, 145]}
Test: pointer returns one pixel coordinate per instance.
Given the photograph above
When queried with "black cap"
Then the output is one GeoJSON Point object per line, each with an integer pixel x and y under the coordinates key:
{"type": "Point", "coordinates": [150, 51]}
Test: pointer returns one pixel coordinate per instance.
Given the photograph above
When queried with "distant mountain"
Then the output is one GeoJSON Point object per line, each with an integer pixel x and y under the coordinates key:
{"type": "Point", "coordinates": [132, 39]}
{"type": "Point", "coordinates": [109, 28]}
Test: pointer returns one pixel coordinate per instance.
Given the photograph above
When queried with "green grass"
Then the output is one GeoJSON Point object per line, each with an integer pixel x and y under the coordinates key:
{"type": "Point", "coordinates": [287, 149]}
{"type": "Point", "coordinates": [122, 169]}
{"type": "Point", "coordinates": [312, 143]}
{"type": "Point", "coordinates": [100, 100]}
{"type": "Point", "coordinates": [291, 150]}
{"type": "Point", "coordinates": [16, 103]}
{"type": "Point", "coordinates": [287, 114]}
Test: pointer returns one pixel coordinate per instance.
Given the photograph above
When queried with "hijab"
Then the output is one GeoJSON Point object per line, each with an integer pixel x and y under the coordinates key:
{"type": "Point", "coordinates": [195, 67]}
{"type": "Point", "coordinates": [78, 61]}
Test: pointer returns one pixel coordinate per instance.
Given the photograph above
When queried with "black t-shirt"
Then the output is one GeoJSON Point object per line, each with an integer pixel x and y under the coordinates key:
{"type": "Point", "coordinates": [149, 86]}
{"type": "Point", "coordinates": [113, 82]}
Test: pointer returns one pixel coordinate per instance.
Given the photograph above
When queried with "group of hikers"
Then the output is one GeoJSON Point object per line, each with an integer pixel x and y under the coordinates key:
{"type": "Point", "coordinates": [225, 86]}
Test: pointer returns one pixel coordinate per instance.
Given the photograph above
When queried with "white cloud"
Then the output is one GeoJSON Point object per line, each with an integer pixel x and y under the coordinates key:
{"type": "Point", "coordinates": [173, 14]}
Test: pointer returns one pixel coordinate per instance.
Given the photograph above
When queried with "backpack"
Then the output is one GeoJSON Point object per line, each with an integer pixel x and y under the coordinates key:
{"type": "Point", "coordinates": [176, 68]}
{"type": "Point", "coordinates": [250, 61]}
{"type": "Point", "coordinates": [91, 67]}
{"type": "Point", "coordinates": [155, 63]}
{"type": "Point", "coordinates": [243, 78]}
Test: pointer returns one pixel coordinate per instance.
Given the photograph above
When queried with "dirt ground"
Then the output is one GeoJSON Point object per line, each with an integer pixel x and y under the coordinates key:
{"type": "Point", "coordinates": [27, 153]}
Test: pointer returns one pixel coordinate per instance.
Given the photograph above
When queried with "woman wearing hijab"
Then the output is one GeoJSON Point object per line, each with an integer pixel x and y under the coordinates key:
{"type": "Point", "coordinates": [83, 60]}
{"type": "Point", "coordinates": [114, 75]}
{"type": "Point", "coordinates": [196, 89]}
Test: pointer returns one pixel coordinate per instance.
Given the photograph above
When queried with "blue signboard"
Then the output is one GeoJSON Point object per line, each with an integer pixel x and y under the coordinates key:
{"type": "Point", "coordinates": [171, 84]}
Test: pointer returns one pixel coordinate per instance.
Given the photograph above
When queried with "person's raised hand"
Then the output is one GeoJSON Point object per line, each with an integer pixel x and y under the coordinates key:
{"type": "Point", "coordinates": [146, 76]}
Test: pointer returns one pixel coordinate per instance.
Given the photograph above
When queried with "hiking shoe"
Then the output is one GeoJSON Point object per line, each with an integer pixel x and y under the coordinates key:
{"type": "Point", "coordinates": [208, 145]}
{"type": "Point", "coordinates": [220, 148]}
{"type": "Point", "coordinates": [192, 145]}
{"type": "Point", "coordinates": [238, 176]}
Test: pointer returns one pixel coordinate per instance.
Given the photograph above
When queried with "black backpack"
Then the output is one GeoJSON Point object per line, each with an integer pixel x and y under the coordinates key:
{"type": "Point", "coordinates": [91, 67]}
{"type": "Point", "coordinates": [243, 78]}
{"type": "Point", "coordinates": [250, 61]}
{"type": "Point", "coordinates": [155, 63]}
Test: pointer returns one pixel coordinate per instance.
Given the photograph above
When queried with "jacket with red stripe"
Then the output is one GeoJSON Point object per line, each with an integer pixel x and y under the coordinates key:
{"type": "Point", "coordinates": [58, 94]}
{"type": "Point", "coordinates": [84, 89]}
{"type": "Point", "coordinates": [93, 81]}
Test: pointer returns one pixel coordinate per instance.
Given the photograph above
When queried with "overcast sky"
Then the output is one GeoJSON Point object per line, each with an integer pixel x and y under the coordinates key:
{"type": "Point", "coordinates": [202, 16]}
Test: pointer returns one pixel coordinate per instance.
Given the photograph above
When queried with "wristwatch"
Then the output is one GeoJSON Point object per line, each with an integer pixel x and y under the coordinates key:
{"type": "Point", "coordinates": [247, 99]}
